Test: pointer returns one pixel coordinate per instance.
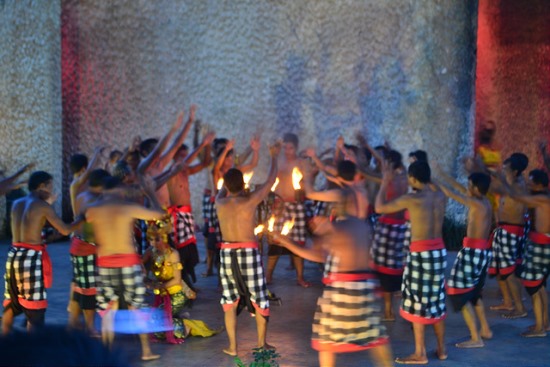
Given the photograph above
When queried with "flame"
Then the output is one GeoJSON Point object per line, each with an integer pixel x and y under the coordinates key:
{"type": "Point", "coordinates": [287, 226]}
{"type": "Point", "coordinates": [296, 178]}
{"type": "Point", "coordinates": [246, 178]}
{"type": "Point", "coordinates": [271, 223]}
{"type": "Point", "coordinates": [259, 229]}
{"type": "Point", "coordinates": [220, 184]}
{"type": "Point", "coordinates": [275, 184]}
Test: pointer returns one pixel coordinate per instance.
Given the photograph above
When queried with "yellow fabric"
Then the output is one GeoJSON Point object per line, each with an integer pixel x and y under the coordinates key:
{"type": "Point", "coordinates": [199, 328]}
{"type": "Point", "coordinates": [490, 156]}
{"type": "Point", "coordinates": [163, 269]}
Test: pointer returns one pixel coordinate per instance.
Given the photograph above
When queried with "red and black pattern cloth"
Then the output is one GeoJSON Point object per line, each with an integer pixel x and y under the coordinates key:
{"type": "Point", "coordinates": [83, 259]}
{"type": "Point", "coordinates": [536, 263]}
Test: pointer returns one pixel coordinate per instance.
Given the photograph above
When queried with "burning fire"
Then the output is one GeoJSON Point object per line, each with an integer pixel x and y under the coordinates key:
{"type": "Point", "coordinates": [287, 226]}
{"type": "Point", "coordinates": [246, 178]}
{"type": "Point", "coordinates": [275, 184]}
{"type": "Point", "coordinates": [271, 223]}
{"type": "Point", "coordinates": [296, 178]}
{"type": "Point", "coordinates": [220, 184]}
{"type": "Point", "coordinates": [259, 229]}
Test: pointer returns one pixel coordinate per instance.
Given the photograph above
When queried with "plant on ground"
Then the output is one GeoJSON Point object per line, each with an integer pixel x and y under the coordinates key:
{"type": "Point", "coordinates": [262, 358]}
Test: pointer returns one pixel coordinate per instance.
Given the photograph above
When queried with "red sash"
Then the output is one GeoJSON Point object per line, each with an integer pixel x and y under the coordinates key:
{"type": "Point", "coordinates": [427, 245]}
{"type": "Point", "coordinates": [539, 238]}
{"type": "Point", "coordinates": [347, 277]}
{"type": "Point", "coordinates": [476, 243]}
{"type": "Point", "coordinates": [513, 228]}
{"type": "Point", "coordinates": [80, 247]}
{"type": "Point", "coordinates": [118, 260]}
{"type": "Point", "coordinates": [234, 245]}
{"type": "Point", "coordinates": [46, 261]}
{"type": "Point", "coordinates": [391, 221]}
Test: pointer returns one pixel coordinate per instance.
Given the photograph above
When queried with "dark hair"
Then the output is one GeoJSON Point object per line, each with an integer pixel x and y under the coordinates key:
{"type": "Point", "coordinates": [539, 177]}
{"type": "Point", "coordinates": [346, 170]}
{"type": "Point", "coordinates": [419, 155]}
{"type": "Point", "coordinates": [183, 147]}
{"type": "Point", "coordinates": [353, 148]}
{"type": "Point", "coordinates": [38, 178]}
{"type": "Point", "coordinates": [367, 153]}
{"type": "Point", "coordinates": [518, 162]}
{"type": "Point", "coordinates": [219, 141]}
{"type": "Point", "coordinates": [147, 146]}
{"type": "Point", "coordinates": [114, 154]}
{"type": "Point", "coordinates": [111, 182]}
{"type": "Point", "coordinates": [291, 138]}
{"type": "Point", "coordinates": [56, 346]}
{"type": "Point", "coordinates": [233, 180]}
{"type": "Point", "coordinates": [96, 177]}
{"type": "Point", "coordinates": [481, 181]}
{"type": "Point", "coordinates": [77, 162]}
{"type": "Point", "coordinates": [382, 149]}
{"type": "Point", "coordinates": [121, 169]}
{"type": "Point", "coordinates": [395, 158]}
{"type": "Point", "coordinates": [420, 170]}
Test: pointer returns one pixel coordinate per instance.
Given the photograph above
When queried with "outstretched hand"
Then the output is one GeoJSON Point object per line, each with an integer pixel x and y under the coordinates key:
{"type": "Point", "coordinates": [255, 143]}
{"type": "Point", "coordinates": [387, 171]}
{"type": "Point", "coordinates": [209, 138]}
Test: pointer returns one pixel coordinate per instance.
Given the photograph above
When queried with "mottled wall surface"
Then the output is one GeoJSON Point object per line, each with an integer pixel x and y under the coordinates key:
{"type": "Point", "coordinates": [396, 70]}
{"type": "Point", "coordinates": [513, 73]}
{"type": "Point", "coordinates": [30, 87]}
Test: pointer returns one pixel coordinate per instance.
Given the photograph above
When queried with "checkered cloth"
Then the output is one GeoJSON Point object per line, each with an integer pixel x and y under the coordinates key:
{"type": "Point", "coordinates": [24, 278]}
{"type": "Point", "coordinates": [536, 263]}
{"type": "Point", "coordinates": [347, 317]}
{"type": "Point", "coordinates": [244, 264]}
{"type": "Point", "coordinates": [423, 286]}
{"type": "Point", "coordinates": [506, 246]}
{"type": "Point", "coordinates": [387, 247]}
{"type": "Point", "coordinates": [184, 225]}
{"type": "Point", "coordinates": [210, 216]}
{"type": "Point", "coordinates": [297, 211]}
{"type": "Point", "coordinates": [468, 275]}
{"type": "Point", "coordinates": [84, 272]}
{"type": "Point", "coordinates": [112, 281]}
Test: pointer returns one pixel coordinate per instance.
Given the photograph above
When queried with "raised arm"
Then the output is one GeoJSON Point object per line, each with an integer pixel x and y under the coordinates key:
{"type": "Point", "coordinates": [206, 159]}
{"type": "Point", "coordinates": [460, 197]}
{"type": "Point", "coordinates": [168, 154]}
{"type": "Point", "coordinates": [221, 159]}
{"type": "Point", "coordinates": [310, 152]}
{"type": "Point", "coordinates": [328, 196]}
{"type": "Point", "coordinates": [8, 184]}
{"type": "Point", "coordinates": [447, 179]}
{"type": "Point", "coordinates": [545, 156]}
{"type": "Point", "coordinates": [77, 184]}
{"type": "Point", "coordinates": [255, 146]}
{"type": "Point", "coordinates": [315, 254]}
{"type": "Point", "coordinates": [261, 192]}
{"type": "Point", "coordinates": [383, 207]}
{"type": "Point", "coordinates": [56, 222]}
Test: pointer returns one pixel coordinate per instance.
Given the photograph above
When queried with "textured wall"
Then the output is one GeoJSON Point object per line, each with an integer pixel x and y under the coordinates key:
{"type": "Point", "coordinates": [513, 73]}
{"type": "Point", "coordinates": [399, 70]}
{"type": "Point", "coordinates": [30, 87]}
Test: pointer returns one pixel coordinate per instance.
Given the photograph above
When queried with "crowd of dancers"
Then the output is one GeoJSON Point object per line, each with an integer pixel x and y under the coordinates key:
{"type": "Point", "coordinates": [375, 224]}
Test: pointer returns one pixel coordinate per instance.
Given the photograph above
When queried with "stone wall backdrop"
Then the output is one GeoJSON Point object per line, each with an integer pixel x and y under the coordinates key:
{"type": "Point", "coordinates": [30, 88]}
{"type": "Point", "coordinates": [400, 70]}
{"type": "Point", "coordinates": [513, 73]}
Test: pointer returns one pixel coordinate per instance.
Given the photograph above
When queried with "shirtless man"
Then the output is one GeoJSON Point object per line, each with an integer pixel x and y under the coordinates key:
{"type": "Point", "coordinates": [423, 286]}
{"type": "Point", "coordinates": [241, 264]}
{"type": "Point", "coordinates": [119, 267]}
{"type": "Point", "coordinates": [470, 268]}
{"type": "Point", "coordinates": [508, 237]}
{"type": "Point", "coordinates": [81, 168]}
{"type": "Point", "coordinates": [292, 209]}
{"type": "Point", "coordinates": [28, 266]}
{"type": "Point", "coordinates": [9, 183]}
{"type": "Point", "coordinates": [536, 264]}
{"type": "Point", "coordinates": [83, 257]}
{"type": "Point", "coordinates": [180, 208]}
{"type": "Point", "coordinates": [353, 323]}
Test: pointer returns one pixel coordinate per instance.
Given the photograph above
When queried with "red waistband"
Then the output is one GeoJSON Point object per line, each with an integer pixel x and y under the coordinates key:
{"type": "Point", "coordinates": [539, 238]}
{"type": "Point", "coordinates": [179, 209]}
{"type": "Point", "coordinates": [476, 243]}
{"type": "Point", "coordinates": [233, 245]}
{"type": "Point", "coordinates": [118, 260]}
{"type": "Point", "coordinates": [79, 247]}
{"type": "Point", "coordinates": [46, 261]}
{"type": "Point", "coordinates": [347, 277]}
{"type": "Point", "coordinates": [513, 228]}
{"type": "Point", "coordinates": [392, 221]}
{"type": "Point", "coordinates": [427, 245]}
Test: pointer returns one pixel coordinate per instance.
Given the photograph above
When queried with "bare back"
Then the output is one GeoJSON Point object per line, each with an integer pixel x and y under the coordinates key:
{"type": "Point", "coordinates": [350, 243]}
{"type": "Point", "coordinates": [479, 219]}
{"type": "Point", "coordinates": [512, 211]}
{"type": "Point", "coordinates": [427, 209]}
{"type": "Point", "coordinates": [236, 215]}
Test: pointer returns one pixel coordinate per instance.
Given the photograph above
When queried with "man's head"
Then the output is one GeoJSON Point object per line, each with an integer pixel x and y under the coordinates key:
{"type": "Point", "coordinates": [233, 180]}
{"type": "Point", "coordinates": [78, 163]}
{"type": "Point", "coordinates": [538, 180]}
{"type": "Point", "coordinates": [418, 155]}
{"type": "Point", "coordinates": [347, 170]}
{"type": "Point", "coordinates": [394, 158]}
{"type": "Point", "coordinates": [419, 174]}
{"type": "Point", "coordinates": [478, 183]}
{"type": "Point", "coordinates": [111, 183]}
{"type": "Point", "coordinates": [96, 178]}
{"type": "Point", "coordinates": [123, 172]}
{"type": "Point", "coordinates": [133, 159]}
{"type": "Point", "coordinates": [147, 146]}
{"type": "Point", "coordinates": [219, 143]}
{"type": "Point", "coordinates": [487, 133]}
{"type": "Point", "coordinates": [40, 180]}
{"type": "Point", "coordinates": [115, 155]}
{"type": "Point", "coordinates": [516, 164]}
{"type": "Point", "coordinates": [290, 145]}
{"type": "Point", "coordinates": [182, 152]}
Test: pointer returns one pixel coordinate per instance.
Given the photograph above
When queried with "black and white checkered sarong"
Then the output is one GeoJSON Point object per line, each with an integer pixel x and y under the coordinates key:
{"type": "Point", "coordinates": [536, 263]}
{"type": "Point", "coordinates": [249, 264]}
{"type": "Point", "coordinates": [423, 286]}
{"type": "Point", "coordinates": [26, 266]}
{"type": "Point", "coordinates": [84, 271]}
{"type": "Point", "coordinates": [184, 225]}
{"type": "Point", "coordinates": [297, 211]}
{"type": "Point", "coordinates": [210, 216]}
{"type": "Point", "coordinates": [388, 245]}
{"type": "Point", "coordinates": [506, 247]}
{"type": "Point", "coordinates": [128, 280]}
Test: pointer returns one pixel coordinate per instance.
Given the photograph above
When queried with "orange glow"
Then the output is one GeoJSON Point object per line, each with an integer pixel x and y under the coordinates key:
{"type": "Point", "coordinates": [220, 184]}
{"type": "Point", "coordinates": [275, 184]}
{"type": "Point", "coordinates": [246, 179]}
{"type": "Point", "coordinates": [287, 226]}
{"type": "Point", "coordinates": [259, 229]}
{"type": "Point", "coordinates": [271, 223]}
{"type": "Point", "coordinates": [296, 178]}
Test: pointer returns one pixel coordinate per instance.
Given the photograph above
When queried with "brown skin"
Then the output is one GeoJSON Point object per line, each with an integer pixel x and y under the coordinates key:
{"type": "Point", "coordinates": [426, 208]}
{"type": "Point", "coordinates": [81, 178]}
{"type": "Point", "coordinates": [236, 214]}
{"type": "Point", "coordinates": [9, 183]}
